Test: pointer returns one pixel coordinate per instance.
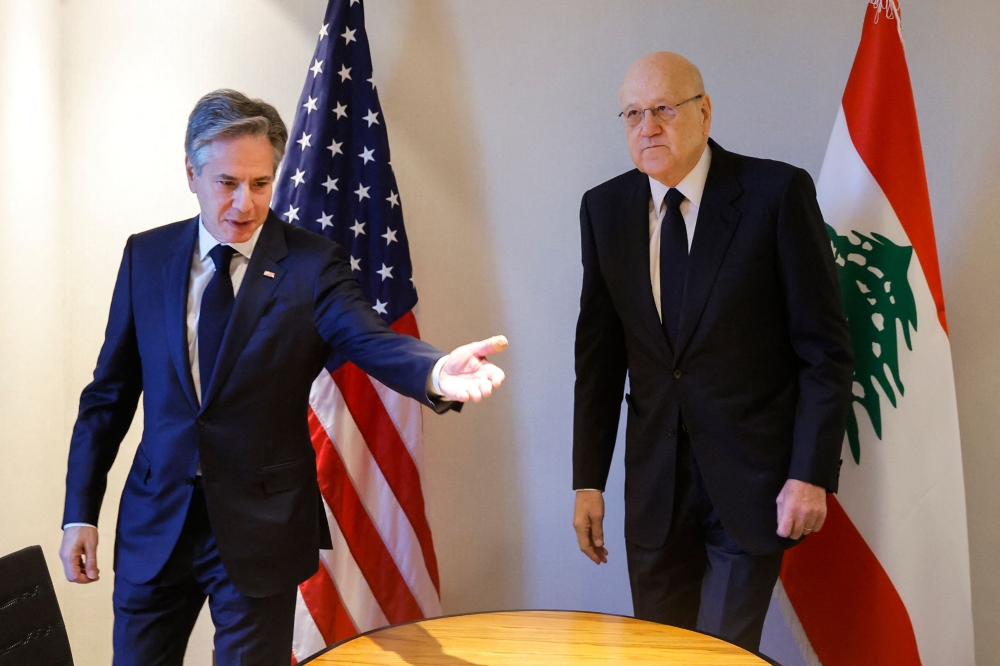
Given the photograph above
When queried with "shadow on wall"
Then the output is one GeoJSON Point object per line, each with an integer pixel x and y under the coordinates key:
{"type": "Point", "coordinates": [471, 477]}
{"type": "Point", "coordinates": [973, 306]}
{"type": "Point", "coordinates": [472, 470]}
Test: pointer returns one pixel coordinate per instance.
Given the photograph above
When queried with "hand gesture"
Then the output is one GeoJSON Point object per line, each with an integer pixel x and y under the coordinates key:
{"type": "Point", "coordinates": [468, 375]}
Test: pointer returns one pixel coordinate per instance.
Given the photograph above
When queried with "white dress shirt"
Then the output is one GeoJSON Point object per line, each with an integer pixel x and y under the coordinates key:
{"type": "Point", "coordinates": [692, 186]}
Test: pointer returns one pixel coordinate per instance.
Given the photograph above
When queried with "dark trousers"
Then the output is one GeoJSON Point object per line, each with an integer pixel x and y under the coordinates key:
{"type": "Point", "coordinates": [700, 579]}
{"type": "Point", "coordinates": [153, 621]}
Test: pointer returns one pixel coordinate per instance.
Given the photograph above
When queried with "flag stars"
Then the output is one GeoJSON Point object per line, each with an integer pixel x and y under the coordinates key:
{"type": "Point", "coordinates": [345, 73]}
{"type": "Point", "coordinates": [310, 105]}
{"type": "Point", "coordinates": [379, 307]}
{"type": "Point", "coordinates": [325, 220]}
{"type": "Point", "coordinates": [317, 67]}
{"type": "Point", "coordinates": [372, 118]}
{"type": "Point", "coordinates": [386, 272]}
{"type": "Point", "coordinates": [362, 192]}
{"type": "Point", "coordinates": [349, 36]}
{"type": "Point", "coordinates": [368, 155]}
{"type": "Point", "coordinates": [355, 263]}
{"type": "Point", "coordinates": [324, 31]}
{"type": "Point", "coordinates": [335, 148]}
{"type": "Point", "coordinates": [331, 184]}
{"type": "Point", "coordinates": [304, 141]}
{"type": "Point", "coordinates": [340, 110]}
{"type": "Point", "coordinates": [390, 237]}
{"type": "Point", "coordinates": [292, 214]}
{"type": "Point", "coordinates": [358, 228]}
{"type": "Point", "coordinates": [372, 81]}
{"type": "Point", "coordinates": [299, 178]}
{"type": "Point", "coordinates": [393, 199]}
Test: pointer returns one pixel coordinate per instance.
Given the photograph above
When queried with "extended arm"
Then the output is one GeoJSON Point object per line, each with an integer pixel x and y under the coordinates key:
{"type": "Point", "coordinates": [346, 320]}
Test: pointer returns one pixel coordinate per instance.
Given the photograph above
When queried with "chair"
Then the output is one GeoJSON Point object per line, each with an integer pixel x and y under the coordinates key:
{"type": "Point", "coordinates": [32, 632]}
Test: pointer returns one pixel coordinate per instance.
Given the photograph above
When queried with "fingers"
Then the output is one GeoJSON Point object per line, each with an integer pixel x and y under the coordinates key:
{"type": "Point", "coordinates": [484, 348]}
{"type": "Point", "coordinates": [90, 551]}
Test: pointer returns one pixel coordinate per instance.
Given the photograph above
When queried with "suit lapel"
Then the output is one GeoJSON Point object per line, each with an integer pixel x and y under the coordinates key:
{"type": "Point", "coordinates": [717, 222]}
{"type": "Point", "coordinates": [176, 275]}
{"type": "Point", "coordinates": [636, 258]}
{"type": "Point", "coordinates": [255, 292]}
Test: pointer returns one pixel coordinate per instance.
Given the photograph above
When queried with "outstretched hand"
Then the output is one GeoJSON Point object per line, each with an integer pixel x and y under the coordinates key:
{"type": "Point", "coordinates": [468, 375]}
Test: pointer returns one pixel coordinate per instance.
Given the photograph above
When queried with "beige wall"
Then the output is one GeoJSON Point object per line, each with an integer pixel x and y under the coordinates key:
{"type": "Point", "coordinates": [500, 114]}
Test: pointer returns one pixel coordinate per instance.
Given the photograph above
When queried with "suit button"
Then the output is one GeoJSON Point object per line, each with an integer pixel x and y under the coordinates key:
{"type": "Point", "coordinates": [677, 374]}
{"type": "Point", "coordinates": [189, 481]}
{"type": "Point", "coordinates": [201, 421]}
{"type": "Point", "coordinates": [671, 433]}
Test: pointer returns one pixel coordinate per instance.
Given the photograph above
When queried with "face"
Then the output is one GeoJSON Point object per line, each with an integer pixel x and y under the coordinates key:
{"type": "Point", "coordinates": [666, 151]}
{"type": "Point", "coordinates": [234, 187]}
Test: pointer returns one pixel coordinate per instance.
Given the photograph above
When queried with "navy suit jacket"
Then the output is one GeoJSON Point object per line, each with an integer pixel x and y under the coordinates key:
{"type": "Point", "coordinates": [760, 375]}
{"type": "Point", "coordinates": [250, 432]}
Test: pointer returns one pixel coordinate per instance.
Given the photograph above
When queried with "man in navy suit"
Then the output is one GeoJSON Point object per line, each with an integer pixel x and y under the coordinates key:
{"type": "Point", "coordinates": [708, 279]}
{"type": "Point", "coordinates": [221, 323]}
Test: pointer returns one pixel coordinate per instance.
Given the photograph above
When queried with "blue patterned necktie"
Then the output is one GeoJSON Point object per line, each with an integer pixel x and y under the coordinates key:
{"type": "Point", "coordinates": [216, 308]}
{"type": "Point", "coordinates": [673, 263]}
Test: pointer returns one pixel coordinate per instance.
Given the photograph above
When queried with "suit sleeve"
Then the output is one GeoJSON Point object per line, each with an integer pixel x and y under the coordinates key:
{"type": "Point", "coordinates": [107, 406]}
{"type": "Point", "coordinates": [601, 366]}
{"type": "Point", "coordinates": [819, 335]}
{"type": "Point", "coordinates": [346, 320]}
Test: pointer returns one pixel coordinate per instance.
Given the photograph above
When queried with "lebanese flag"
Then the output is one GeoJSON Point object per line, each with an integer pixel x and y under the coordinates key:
{"type": "Point", "coordinates": [887, 579]}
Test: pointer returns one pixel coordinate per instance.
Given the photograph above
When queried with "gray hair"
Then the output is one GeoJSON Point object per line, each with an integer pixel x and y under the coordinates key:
{"type": "Point", "coordinates": [229, 114]}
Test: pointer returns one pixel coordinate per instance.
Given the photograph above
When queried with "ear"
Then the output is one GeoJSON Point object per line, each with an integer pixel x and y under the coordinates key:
{"type": "Point", "coordinates": [706, 113]}
{"type": "Point", "coordinates": [189, 168]}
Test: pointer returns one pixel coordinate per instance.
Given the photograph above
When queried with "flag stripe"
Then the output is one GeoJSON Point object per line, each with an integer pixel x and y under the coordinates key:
{"type": "Point", "coordinates": [370, 553]}
{"type": "Point", "coordinates": [845, 600]}
{"type": "Point", "coordinates": [359, 602]}
{"type": "Point", "coordinates": [882, 119]}
{"type": "Point", "coordinates": [390, 453]}
{"type": "Point", "coordinates": [377, 497]}
{"type": "Point", "coordinates": [320, 596]}
{"type": "Point", "coordinates": [307, 639]}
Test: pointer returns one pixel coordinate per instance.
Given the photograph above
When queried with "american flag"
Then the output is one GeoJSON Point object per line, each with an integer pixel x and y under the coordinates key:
{"type": "Point", "coordinates": [337, 181]}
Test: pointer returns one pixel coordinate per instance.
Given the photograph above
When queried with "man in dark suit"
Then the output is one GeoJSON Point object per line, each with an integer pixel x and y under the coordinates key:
{"type": "Point", "coordinates": [709, 281]}
{"type": "Point", "coordinates": [221, 323]}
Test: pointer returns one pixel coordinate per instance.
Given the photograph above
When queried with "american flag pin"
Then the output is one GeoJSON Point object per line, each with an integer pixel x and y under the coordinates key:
{"type": "Point", "coordinates": [269, 274]}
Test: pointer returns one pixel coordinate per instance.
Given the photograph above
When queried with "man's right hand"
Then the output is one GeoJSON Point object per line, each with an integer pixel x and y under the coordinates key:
{"type": "Point", "coordinates": [79, 554]}
{"type": "Point", "coordinates": [588, 521]}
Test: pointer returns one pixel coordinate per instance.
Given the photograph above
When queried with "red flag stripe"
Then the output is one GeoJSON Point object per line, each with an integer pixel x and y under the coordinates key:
{"type": "Point", "coordinates": [844, 599]}
{"type": "Point", "coordinates": [390, 453]}
{"type": "Point", "coordinates": [882, 119]}
{"type": "Point", "coordinates": [326, 607]}
{"type": "Point", "coordinates": [366, 545]}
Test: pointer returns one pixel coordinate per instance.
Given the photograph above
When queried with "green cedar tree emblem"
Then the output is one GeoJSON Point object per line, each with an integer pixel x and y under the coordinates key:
{"type": "Point", "coordinates": [877, 296]}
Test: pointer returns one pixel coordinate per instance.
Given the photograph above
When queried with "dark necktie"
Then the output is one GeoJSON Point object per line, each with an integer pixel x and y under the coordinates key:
{"type": "Point", "coordinates": [216, 308]}
{"type": "Point", "coordinates": [673, 263]}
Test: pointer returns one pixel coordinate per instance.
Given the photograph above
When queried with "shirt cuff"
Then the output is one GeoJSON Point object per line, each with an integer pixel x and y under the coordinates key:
{"type": "Point", "coordinates": [594, 489]}
{"type": "Point", "coordinates": [434, 389]}
{"type": "Point", "coordinates": [79, 525]}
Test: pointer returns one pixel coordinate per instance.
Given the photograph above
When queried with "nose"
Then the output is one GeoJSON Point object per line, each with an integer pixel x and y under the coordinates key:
{"type": "Point", "coordinates": [649, 126]}
{"type": "Point", "coordinates": [241, 199]}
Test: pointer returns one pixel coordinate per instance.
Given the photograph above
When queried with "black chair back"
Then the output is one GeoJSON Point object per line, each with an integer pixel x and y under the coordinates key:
{"type": "Point", "coordinates": [32, 632]}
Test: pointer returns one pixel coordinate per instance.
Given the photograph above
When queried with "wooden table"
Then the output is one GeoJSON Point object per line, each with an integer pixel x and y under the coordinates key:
{"type": "Point", "coordinates": [534, 637]}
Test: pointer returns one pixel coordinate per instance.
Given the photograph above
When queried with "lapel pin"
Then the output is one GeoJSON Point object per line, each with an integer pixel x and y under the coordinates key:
{"type": "Point", "coordinates": [269, 274]}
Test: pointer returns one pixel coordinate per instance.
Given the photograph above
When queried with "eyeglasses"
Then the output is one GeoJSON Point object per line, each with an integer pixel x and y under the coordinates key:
{"type": "Point", "coordinates": [662, 113]}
